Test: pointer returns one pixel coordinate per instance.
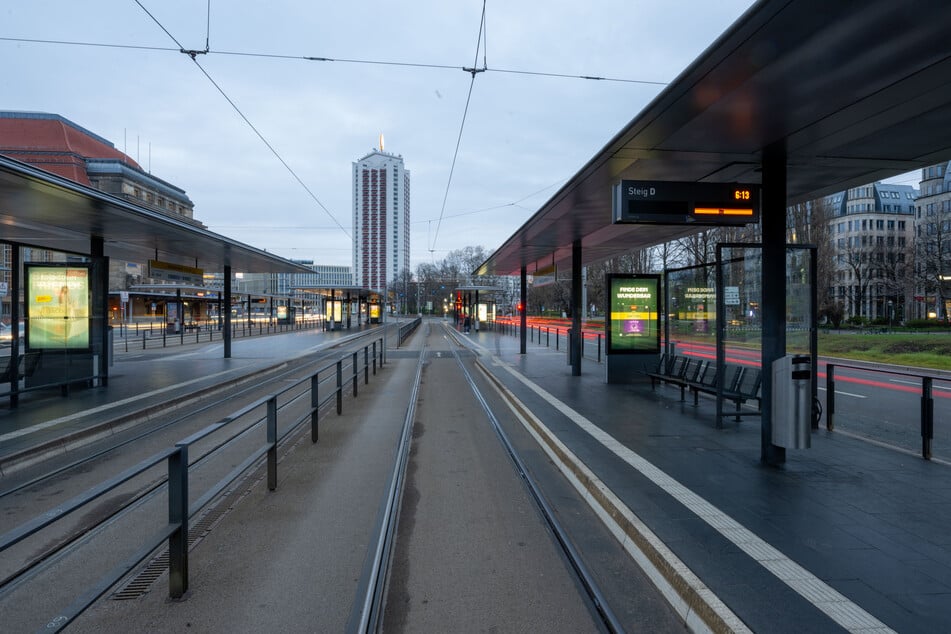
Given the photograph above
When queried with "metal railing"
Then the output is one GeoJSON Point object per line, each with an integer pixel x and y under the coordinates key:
{"type": "Point", "coordinates": [325, 385]}
{"type": "Point", "coordinates": [543, 336]}
{"type": "Point", "coordinates": [153, 335]}
{"type": "Point", "coordinates": [926, 419]}
{"type": "Point", "coordinates": [407, 329]}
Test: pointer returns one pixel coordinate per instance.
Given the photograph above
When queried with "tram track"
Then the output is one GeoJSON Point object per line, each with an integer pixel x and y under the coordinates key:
{"type": "Point", "coordinates": [378, 578]}
{"type": "Point", "coordinates": [225, 400]}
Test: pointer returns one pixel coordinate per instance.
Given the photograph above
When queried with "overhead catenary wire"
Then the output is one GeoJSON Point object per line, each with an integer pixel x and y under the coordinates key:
{"type": "Point", "coordinates": [462, 125]}
{"type": "Point", "coordinates": [341, 60]}
{"type": "Point", "coordinates": [473, 70]}
{"type": "Point", "coordinates": [241, 114]}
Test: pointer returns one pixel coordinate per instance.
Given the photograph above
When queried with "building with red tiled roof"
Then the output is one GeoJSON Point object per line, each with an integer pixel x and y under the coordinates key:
{"type": "Point", "coordinates": [56, 144]}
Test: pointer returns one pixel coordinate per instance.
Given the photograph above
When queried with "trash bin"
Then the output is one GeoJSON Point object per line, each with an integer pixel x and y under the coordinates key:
{"type": "Point", "coordinates": [792, 401]}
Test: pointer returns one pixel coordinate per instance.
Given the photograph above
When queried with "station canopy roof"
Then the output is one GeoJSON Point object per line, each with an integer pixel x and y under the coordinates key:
{"type": "Point", "coordinates": [858, 91]}
{"type": "Point", "coordinates": [42, 210]}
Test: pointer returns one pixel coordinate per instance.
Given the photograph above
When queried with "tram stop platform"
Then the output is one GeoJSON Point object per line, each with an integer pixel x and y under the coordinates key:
{"type": "Point", "coordinates": [848, 534]}
{"type": "Point", "coordinates": [46, 422]}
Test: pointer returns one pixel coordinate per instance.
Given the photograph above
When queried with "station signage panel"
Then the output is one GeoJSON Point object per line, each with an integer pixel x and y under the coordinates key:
{"type": "Point", "coordinates": [178, 273]}
{"type": "Point", "coordinates": [633, 324]}
{"type": "Point", "coordinates": [680, 203]}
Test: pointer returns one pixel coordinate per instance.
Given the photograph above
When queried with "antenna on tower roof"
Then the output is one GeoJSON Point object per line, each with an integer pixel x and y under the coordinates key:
{"type": "Point", "coordinates": [381, 141]}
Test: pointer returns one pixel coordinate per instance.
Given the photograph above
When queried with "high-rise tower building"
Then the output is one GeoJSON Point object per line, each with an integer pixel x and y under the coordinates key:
{"type": "Point", "coordinates": [380, 219]}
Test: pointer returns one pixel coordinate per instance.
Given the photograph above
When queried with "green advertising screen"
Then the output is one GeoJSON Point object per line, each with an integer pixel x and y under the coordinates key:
{"type": "Point", "coordinates": [57, 306]}
{"type": "Point", "coordinates": [633, 314]}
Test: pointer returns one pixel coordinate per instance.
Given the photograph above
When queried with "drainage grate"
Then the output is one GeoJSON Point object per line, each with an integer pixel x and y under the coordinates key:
{"type": "Point", "coordinates": [139, 585]}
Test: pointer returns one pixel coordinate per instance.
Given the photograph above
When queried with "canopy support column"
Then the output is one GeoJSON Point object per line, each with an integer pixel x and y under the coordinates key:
{"type": "Point", "coordinates": [774, 288]}
{"type": "Point", "coordinates": [227, 311]}
{"type": "Point", "coordinates": [576, 291]}
{"type": "Point", "coordinates": [523, 317]}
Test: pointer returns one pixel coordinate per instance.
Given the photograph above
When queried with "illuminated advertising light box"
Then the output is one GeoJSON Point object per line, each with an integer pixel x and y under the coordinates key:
{"type": "Point", "coordinates": [374, 311]}
{"type": "Point", "coordinates": [57, 307]}
{"type": "Point", "coordinates": [334, 310]}
{"type": "Point", "coordinates": [633, 314]}
{"type": "Point", "coordinates": [282, 312]}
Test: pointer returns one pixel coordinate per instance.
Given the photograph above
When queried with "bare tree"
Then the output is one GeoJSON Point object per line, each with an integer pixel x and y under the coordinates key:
{"type": "Point", "coordinates": [933, 256]}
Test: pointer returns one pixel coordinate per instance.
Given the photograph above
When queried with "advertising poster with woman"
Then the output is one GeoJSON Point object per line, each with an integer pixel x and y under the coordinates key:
{"type": "Point", "coordinates": [57, 307]}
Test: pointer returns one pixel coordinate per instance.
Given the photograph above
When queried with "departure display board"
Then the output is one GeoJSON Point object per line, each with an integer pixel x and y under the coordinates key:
{"type": "Point", "coordinates": [677, 203]}
{"type": "Point", "coordinates": [633, 314]}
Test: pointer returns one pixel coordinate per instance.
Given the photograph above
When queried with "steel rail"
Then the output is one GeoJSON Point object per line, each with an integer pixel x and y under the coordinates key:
{"type": "Point", "coordinates": [581, 570]}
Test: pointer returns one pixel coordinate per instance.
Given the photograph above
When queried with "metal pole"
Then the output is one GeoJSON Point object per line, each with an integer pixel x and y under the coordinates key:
{"type": "Point", "coordinates": [523, 302]}
{"type": "Point", "coordinates": [339, 387]}
{"type": "Point", "coordinates": [927, 416]}
{"type": "Point", "coordinates": [575, 349]}
{"type": "Point", "coordinates": [314, 407]}
{"type": "Point", "coordinates": [226, 308]}
{"type": "Point", "coordinates": [178, 516]}
{"type": "Point", "coordinates": [830, 396]}
{"type": "Point", "coordinates": [773, 225]}
{"type": "Point", "coordinates": [272, 443]}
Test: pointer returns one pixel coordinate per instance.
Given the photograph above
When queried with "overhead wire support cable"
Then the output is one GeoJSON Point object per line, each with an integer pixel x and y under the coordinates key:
{"type": "Point", "coordinates": [315, 58]}
{"type": "Point", "coordinates": [247, 121]}
{"type": "Point", "coordinates": [462, 125]}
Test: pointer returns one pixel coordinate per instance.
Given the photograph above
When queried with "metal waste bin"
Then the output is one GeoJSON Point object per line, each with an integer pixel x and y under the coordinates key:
{"type": "Point", "coordinates": [792, 401]}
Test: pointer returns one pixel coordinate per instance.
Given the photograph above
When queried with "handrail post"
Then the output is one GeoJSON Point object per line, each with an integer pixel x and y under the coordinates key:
{"type": "Point", "coordinates": [599, 347]}
{"type": "Point", "coordinates": [272, 443]}
{"type": "Point", "coordinates": [178, 516]}
{"type": "Point", "coordinates": [339, 387]}
{"type": "Point", "coordinates": [548, 336]}
{"type": "Point", "coordinates": [374, 358]}
{"type": "Point", "coordinates": [830, 396]}
{"type": "Point", "coordinates": [927, 416]}
{"type": "Point", "coordinates": [366, 365]}
{"type": "Point", "coordinates": [356, 381]}
{"type": "Point", "coordinates": [314, 406]}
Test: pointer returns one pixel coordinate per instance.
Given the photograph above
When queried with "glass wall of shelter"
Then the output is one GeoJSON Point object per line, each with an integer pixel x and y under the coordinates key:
{"type": "Point", "coordinates": [714, 311]}
{"type": "Point", "coordinates": [53, 325]}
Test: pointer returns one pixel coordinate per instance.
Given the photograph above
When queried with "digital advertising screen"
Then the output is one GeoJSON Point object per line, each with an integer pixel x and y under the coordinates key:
{"type": "Point", "coordinates": [633, 314]}
{"type": "Point", "coordinates": [57, 306]}
{"type": "Point", "coordinates": [374, 311]}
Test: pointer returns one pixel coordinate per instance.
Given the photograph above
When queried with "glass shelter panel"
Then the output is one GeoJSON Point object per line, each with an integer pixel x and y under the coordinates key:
{"type": "Point", "coordinates": [691, 310]}
{"type": "Point", "coordinates": [59, 338]}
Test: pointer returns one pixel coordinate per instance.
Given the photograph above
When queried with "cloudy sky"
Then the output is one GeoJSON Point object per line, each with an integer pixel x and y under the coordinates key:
{"type": "Point", "coordinates": [398, 72]}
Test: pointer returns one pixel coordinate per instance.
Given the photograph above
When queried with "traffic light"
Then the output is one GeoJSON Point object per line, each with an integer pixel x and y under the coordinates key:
{"type": "Point", "coordinates": [520, 307]}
